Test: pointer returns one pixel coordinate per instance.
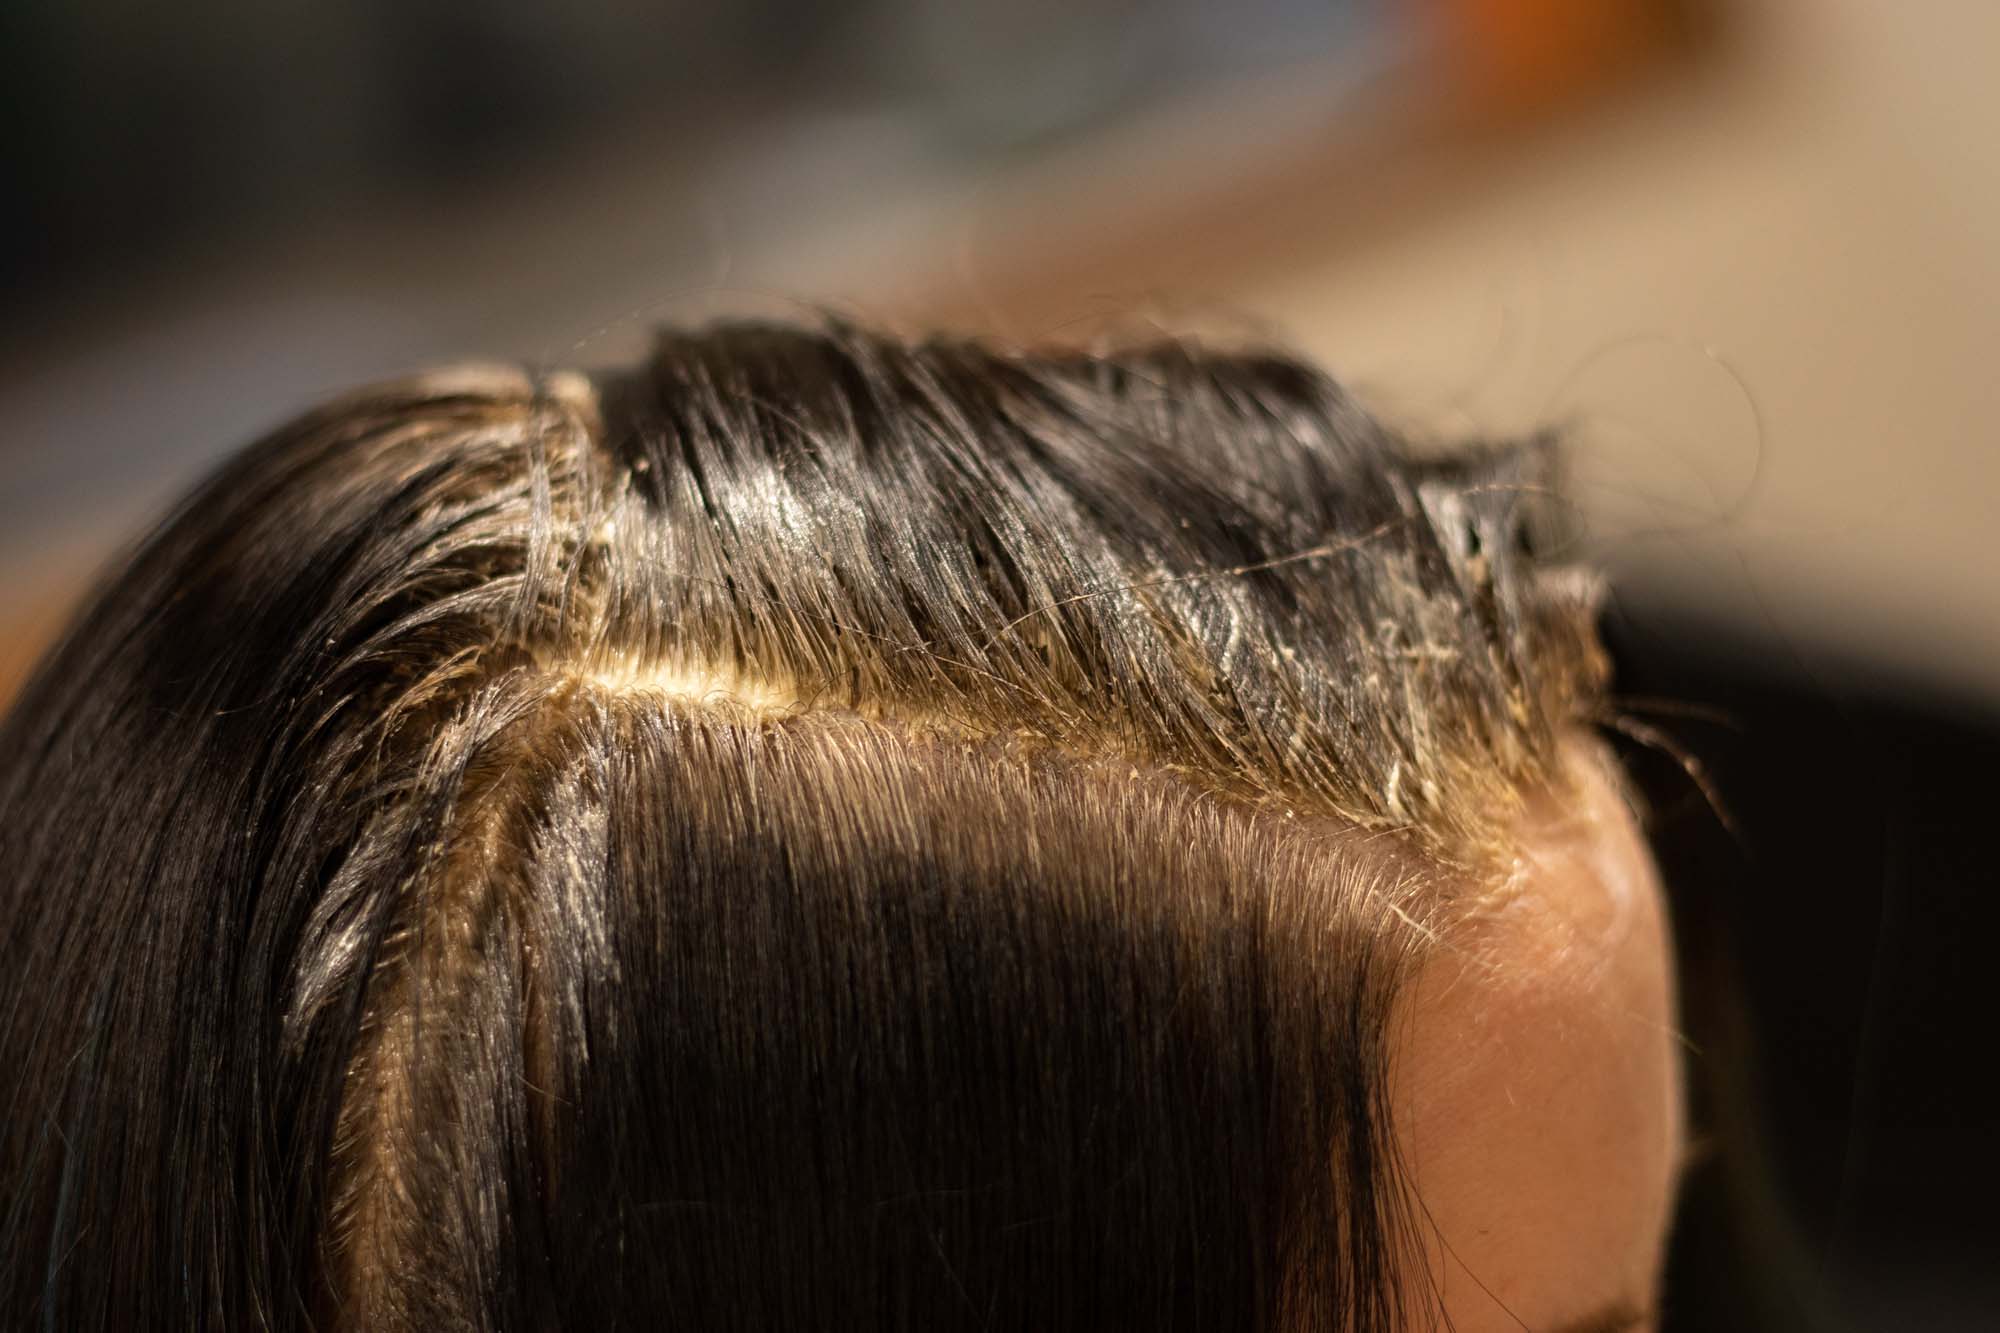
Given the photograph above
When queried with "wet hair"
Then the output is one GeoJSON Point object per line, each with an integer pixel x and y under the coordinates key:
{"type": "Point", "coordinates": [819, 831]}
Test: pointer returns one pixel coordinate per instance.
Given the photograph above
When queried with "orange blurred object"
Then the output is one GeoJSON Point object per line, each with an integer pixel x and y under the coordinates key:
{"type": "Point", "coordinates": [1508, 58]}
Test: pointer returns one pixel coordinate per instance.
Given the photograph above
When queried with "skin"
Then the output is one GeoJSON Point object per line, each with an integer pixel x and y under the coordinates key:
{"type": "Point", "coordinates": [1537, 1085]}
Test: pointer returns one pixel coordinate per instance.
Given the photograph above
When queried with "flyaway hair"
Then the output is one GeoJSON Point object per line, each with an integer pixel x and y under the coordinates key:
{"type": "Point", "coordinates": [817, 832]}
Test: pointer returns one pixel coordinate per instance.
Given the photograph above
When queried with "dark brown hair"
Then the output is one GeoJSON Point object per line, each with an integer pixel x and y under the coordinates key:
{"type": "Point", "coordinates": [819, 832]}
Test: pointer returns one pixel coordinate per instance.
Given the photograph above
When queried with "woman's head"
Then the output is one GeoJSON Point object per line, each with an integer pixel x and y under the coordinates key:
{"type": "Point", "coordinates": [820, 832]}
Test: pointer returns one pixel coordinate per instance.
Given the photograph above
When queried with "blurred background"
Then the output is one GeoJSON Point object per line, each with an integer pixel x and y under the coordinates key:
{"type": "Point", "coordinates": [1742, 251]}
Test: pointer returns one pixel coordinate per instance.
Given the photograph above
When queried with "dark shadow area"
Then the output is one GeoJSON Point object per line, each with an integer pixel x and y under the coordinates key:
{"type": "Point", "coordinates": [1837, 996]}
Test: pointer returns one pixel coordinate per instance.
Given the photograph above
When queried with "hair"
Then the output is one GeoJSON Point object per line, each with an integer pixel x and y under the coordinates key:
{"type": "Point", "coordinates": [819, 831]}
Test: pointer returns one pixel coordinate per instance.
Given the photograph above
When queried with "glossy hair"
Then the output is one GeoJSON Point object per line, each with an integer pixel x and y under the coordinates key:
{"type": "Point", "coordinates": [818, 832]}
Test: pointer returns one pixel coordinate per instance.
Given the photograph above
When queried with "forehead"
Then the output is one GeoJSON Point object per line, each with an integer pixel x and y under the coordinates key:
{"type": "Point", "coordinates": [1536, 1086]}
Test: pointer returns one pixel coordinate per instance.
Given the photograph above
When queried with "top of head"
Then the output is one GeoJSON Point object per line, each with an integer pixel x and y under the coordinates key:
{"type": "Point", "coordinates": [986, 757]}
{"type": "Point", "coordinates": [1213, 564]}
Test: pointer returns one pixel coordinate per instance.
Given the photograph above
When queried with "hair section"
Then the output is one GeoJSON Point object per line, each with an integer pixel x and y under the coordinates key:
{"type": "Point", "coordinates": [817, 831]}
